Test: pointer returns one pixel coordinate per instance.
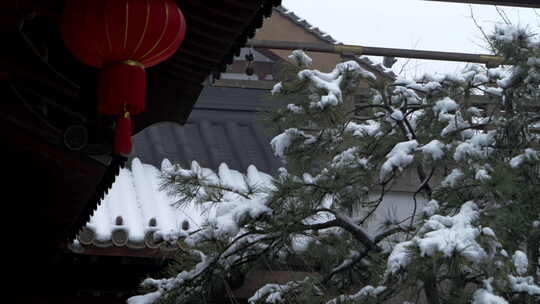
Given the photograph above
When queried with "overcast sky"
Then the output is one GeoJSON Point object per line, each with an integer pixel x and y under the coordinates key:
{"type": "Point", "coordinates": [414, 24]}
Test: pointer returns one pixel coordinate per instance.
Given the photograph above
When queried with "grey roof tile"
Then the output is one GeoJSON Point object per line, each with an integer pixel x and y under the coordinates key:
{"type": "Point", "coordinates": [223, 128]}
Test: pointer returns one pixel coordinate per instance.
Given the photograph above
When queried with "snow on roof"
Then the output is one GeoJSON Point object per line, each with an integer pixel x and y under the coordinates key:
{"type": "Point", "coordinates": [379, 67]}
{"type": "Point", "coordinates": [137, 214]}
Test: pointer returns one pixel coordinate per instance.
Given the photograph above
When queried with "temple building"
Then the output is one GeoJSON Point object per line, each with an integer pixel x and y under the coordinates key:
{"type": "Point", "coordinates": [136, 228]}
{"type": "Point", "coordinates": [59, 151]}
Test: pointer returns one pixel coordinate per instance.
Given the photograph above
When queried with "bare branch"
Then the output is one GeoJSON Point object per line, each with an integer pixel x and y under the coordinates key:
{"type": "Point", "coordinates": [486, 37]}
{"type": "Point", "coordinates": [503, 15]}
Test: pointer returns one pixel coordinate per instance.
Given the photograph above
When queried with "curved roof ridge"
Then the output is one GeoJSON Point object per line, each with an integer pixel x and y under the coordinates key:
{"type": "Point", "coordinates": [306, 25]}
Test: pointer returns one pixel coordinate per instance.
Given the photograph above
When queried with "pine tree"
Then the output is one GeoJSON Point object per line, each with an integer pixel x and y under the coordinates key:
{"type": "Point", "coordinates": [473, 235]}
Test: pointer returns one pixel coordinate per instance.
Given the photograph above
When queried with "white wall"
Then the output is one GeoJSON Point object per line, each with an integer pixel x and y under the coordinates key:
{"type": "Point", "coordinates": [396, 204]}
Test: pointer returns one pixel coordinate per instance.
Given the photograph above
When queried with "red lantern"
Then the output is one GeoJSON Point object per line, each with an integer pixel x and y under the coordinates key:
{"type": "Point", "coordinates": [122, 37]}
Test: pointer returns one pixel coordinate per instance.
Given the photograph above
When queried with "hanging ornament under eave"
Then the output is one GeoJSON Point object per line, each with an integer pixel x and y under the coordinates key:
{"type": "Point", "coordinates": [122, 38]}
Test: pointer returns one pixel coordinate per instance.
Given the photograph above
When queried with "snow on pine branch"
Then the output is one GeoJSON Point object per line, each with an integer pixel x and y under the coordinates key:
{"type": "Point", "coordinates": [301, 59]}
{"type": "Point", "coordinates": [461, 235]}
{"type": "Point", "coordinates": [281, 142]}
{"type": "Point", "coordinates": [164, 285]}
{"type": "Point", "coordinates": [528, 155]}
{"type": "Point", "coordinates": [330, 83]}
{"type": "Point", "coordinates": [363, 294]}
{"type": "Point", "coordinates": [279, 293]}
{"type": "Point", "coordinates": [228, 198]}
{"type": "Point", "coordinates": [486, 296]}
{"type": "Point", "coordinates": [277, 89]}
{"type": "Point", "coordinates": [478, 146]}
{"type": "Point", "coordinates": [369, 128]}
{"type": "Point", "coordinates": [445, 235]}
{"type": "Point", "coordinates": [434, 149]}
{"type": "Point", "coordinates": [524, 285]}
{"type": "Point", "coordinates": [445, 105]}
{"type": "Point", "coordinates": [399, 158]}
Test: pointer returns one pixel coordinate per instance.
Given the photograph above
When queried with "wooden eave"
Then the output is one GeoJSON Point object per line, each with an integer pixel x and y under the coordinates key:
{"type": "Point", "coordinates": [216, 32]}
{"type": "Point", "coordinates": [57, 189]}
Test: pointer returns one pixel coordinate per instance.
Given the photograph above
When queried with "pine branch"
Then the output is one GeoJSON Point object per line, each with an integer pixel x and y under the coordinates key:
{"type": "Point", "coordinates": [357, 231]}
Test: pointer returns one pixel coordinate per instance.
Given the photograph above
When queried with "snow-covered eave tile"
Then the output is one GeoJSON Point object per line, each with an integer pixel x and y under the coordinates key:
{"type": "Point", "coordinates": [132, 214]}
{"type": "Point", "coordinates": [138, 218]}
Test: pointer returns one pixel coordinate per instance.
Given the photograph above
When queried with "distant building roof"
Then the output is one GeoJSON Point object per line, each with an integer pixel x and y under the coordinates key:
{"type": "Point", "coordinates": [223, 128]}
